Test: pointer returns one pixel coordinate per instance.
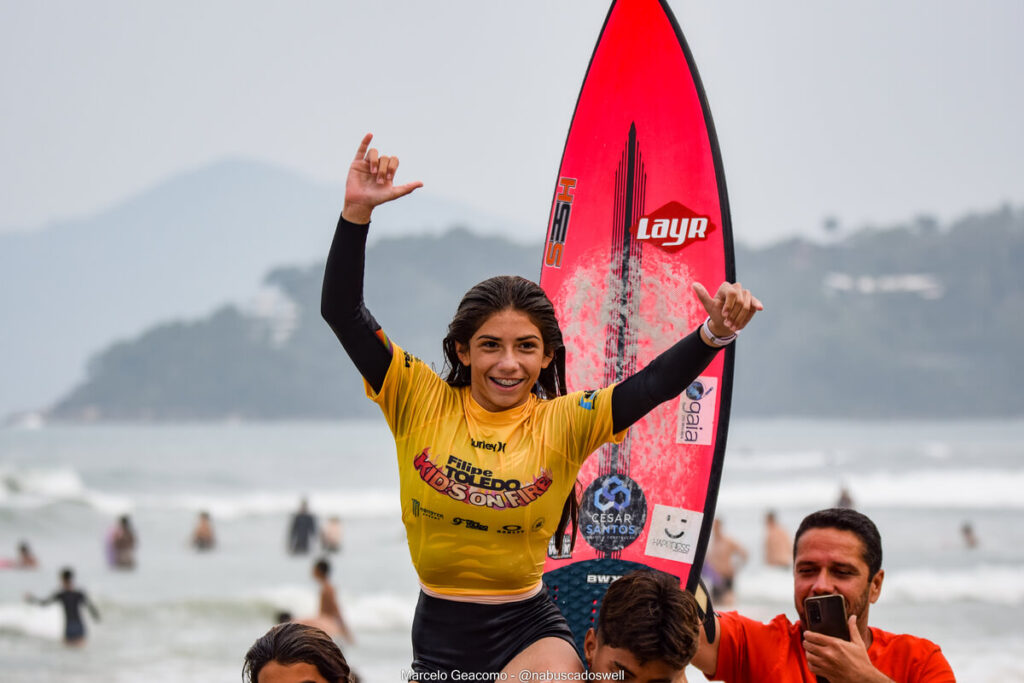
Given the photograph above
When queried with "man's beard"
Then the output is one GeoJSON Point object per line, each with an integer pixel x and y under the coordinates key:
{"type": "Point", "coordinates": [860, 606]}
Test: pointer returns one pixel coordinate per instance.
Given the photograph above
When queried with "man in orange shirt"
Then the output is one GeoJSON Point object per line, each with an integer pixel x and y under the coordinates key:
{"type": "Point", "coordinates": [836, 551]}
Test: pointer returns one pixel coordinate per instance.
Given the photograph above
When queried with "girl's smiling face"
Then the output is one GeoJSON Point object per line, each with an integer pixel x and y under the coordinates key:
{"type": "Point", "coordinates": [505, 357]}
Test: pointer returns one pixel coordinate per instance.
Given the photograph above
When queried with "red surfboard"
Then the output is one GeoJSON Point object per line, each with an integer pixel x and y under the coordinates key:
{"type": "Point", "coordinates": [639, 213]}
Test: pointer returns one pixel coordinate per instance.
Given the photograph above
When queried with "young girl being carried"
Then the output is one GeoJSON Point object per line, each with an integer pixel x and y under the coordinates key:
{"type": "Point", "coordinates": [488, 456]}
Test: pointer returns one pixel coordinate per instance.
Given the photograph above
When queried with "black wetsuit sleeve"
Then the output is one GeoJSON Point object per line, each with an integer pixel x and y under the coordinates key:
{"type": "Point", "coordinates": [341, 303]}
{"type": "Point", "coordinates": [47, 601]}
{"type": "Point", "coordinates": [664, 378]}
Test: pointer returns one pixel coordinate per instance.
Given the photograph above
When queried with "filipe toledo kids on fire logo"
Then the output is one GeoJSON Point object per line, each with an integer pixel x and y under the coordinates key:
{"type": "Point", "coordinates": [461, 480]}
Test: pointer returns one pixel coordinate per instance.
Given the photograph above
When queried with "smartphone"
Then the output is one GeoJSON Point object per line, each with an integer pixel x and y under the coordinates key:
{"type": "Point", "coordinates": [827, 614]}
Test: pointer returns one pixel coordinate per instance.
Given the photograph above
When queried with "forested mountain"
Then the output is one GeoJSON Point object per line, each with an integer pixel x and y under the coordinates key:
{"type": "Point", "coordinates": [190, 244]}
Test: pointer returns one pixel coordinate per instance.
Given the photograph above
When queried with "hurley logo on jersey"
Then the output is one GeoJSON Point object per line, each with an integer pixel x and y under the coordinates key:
{"type": "Point", "coordinates": [462, 481]}
{"type": "Point", "coordinates": [672, 227]}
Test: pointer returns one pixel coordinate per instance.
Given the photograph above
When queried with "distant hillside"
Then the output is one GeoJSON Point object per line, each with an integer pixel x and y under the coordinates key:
{"type": "Point", "coordinates": [284, 361]}
{"type": "Point", "coordinates": [907, 321]}
{"type": "Point", "coordinates": [193, 243]}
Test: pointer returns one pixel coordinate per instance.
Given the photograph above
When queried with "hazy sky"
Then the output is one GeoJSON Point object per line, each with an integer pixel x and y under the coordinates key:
{"type": "Point", "coordinates": [870, 111]}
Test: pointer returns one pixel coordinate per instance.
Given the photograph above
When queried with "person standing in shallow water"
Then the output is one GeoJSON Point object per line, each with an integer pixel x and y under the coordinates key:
{"type": "Point", "coordinates": [121, 544]}
{"type": "Point", "coordinates": [302, 530]}
{"type": "Point", "coordinates": [488, 455]}
{"type": "Point", "coordinates": [778, 546]}
{"type": "Point", "coordinates": [202, 536]}
{"type": "Point", "coordinates": [72, 600]}
{"type": "Point", "coordinates": [724, 559]}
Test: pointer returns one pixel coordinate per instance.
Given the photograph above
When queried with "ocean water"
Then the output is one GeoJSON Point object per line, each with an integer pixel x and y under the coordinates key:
{"type": "Point", "coordinates": [186, 616]}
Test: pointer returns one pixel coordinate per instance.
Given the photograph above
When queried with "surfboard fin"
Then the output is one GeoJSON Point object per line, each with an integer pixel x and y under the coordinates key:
{"type": "Point", "coordinates": [707, 610]}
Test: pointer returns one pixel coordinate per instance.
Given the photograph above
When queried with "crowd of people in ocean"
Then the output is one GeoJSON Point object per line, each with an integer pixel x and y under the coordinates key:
{"type": "Point", "coordinates": [120, 543]}
{"type": "Point", "coordinates": [502, 400]}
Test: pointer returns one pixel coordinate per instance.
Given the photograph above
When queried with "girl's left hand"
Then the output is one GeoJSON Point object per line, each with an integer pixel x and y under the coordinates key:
{"type": "Point", "coordinates": [730, 309]}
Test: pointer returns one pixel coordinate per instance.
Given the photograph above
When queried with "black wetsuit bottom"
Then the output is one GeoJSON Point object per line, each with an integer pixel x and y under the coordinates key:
{"type": "Point", "coordinates": [468, 637]}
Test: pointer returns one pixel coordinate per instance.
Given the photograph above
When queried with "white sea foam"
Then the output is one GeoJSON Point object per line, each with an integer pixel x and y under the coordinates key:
{"type": "Point", "coordinates": [763, 461]}
{"type": "Point", "coordinates": [945, 488]}
{"type": "Point", "coordinates": [31, 620]}
{"type": "Point", "coordinates": [37, 487]}
{"type": "Point", "coordinates": [365, 504]}
{"type": "Point", "coordinates": [379, 612]}
{"type": "Point", "coordinates": [998, 584]}
{"type": "Point", "coordinates": [995, 584]}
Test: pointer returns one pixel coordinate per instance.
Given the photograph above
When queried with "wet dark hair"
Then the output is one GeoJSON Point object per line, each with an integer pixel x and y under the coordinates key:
{"type": "Point", "coordinates": [846, 519]}
{"type": "Point", "coordinates": [648, 614]}
{"type": "Point", "coordinates": [293, 643]}
{"type": "Point", "coordinates": [511, 292]}
{"type": "Point", "coordinates": [323, 566]}
{"type": "Point", "coordinates": [506, 292]}
{"type": "Point", "coordinates": [67, 574]}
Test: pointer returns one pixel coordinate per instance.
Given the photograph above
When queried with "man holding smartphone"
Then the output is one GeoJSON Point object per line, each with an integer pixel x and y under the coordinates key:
{"type": "Point", "coordinates": [836, 551]}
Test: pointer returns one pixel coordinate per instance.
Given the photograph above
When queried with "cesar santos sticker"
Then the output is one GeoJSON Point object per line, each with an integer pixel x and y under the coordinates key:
{"type": "Point", "coordinates": [613, 512]}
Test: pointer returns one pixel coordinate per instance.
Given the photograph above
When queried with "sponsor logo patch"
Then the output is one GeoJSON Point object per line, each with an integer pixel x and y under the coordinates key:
{"type": "Point", "coordinates": [672, 227]}
{"type": "Point", "coordinates": [604, 579]}
{"type": "Point", "coordinates": [462, 481]}
{"type": "Point", "coordinates": [498, 447]}
{"type": "Point", "coordinates": [674, 533]}
{"type": "Point", "coordinates": [696, 420]}
{"type": "Point", "coordinates": [469, 523]}
{"type": "Point", "coordinates": [588, 398]}
{"type": "Point", "coordinates": [559, 229]}
{"type": "Point", "coordinates": [613, 512]}
{"type": "Point", "coordinates": [420, 511]}
{"type": "Point", "coordinates": [565, 552]}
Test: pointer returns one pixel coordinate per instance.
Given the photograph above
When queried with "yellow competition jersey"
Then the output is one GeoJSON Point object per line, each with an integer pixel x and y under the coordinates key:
{"type": "Point", "coordinates": [482, 492]}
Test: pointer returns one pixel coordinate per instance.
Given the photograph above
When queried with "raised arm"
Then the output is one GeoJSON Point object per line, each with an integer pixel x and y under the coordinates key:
{"type": "Point", "coordinates": [369, 184]}
{"type": "Point", "coordinates": [33, 600]}
{"type": "Point", "coordinates": [91, 607]}
{"type": "Point", "coordinates": [670, 373]}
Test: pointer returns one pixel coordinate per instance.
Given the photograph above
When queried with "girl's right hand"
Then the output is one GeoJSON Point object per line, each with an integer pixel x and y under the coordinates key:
{"type": "Point", "coordinates": [369, 183]}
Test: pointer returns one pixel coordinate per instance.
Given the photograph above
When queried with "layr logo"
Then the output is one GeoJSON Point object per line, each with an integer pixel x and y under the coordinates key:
{"type": "Point", "coordinates": [672, 227]}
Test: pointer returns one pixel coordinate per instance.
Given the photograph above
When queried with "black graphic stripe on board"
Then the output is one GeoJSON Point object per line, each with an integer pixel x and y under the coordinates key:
{"type": "Point", "coordinates": [624, 274]}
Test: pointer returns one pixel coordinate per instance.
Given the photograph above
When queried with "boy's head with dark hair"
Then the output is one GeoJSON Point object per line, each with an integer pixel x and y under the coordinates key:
{"type": "Point", "coordinates": [295, 653]}
{"type": "Point", "coordinates": [648, 627]}
{"type": "Point", "coordinates": [847, 519]}
{"type": "Point", "coordinates": [322, 569]}
{"type": "Point", "coordinates": [67, 575]}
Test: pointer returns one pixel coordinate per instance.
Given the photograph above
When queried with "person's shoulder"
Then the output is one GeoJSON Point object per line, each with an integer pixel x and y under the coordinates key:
{"type": "Point", "coordinates": [415, 370]}
{"type": "Point", "coordinates": [585, 400]}
{"type": "Point", "coordinates": [884, 640]}
{"type": "Point", "coordinates": [909, 657]}
{"type": "Point", "coordinates": [780, 624]}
